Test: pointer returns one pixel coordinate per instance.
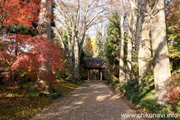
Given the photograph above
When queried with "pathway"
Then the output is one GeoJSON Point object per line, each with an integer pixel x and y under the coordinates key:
{"type": "Point", "coordinates": [92, 101]}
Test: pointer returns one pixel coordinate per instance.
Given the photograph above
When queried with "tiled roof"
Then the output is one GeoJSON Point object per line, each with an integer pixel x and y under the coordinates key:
{"type": "Point", "coordinates": [94, 63]}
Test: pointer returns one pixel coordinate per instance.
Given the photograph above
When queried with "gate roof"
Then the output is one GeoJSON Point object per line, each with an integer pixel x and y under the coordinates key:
{"type": "Point", "coordinates": [94, 63]}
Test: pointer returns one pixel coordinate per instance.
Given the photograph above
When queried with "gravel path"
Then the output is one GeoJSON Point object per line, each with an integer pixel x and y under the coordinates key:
{"type": "Point", "coordinates": [92, 101]}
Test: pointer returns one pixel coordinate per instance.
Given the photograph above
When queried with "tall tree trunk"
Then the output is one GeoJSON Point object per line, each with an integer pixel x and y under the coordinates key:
{"type": "Point", "coordinates": [134, 10]}
{"type": "Point", "coordinates": [129, 55]}
{"type": "Point", "coordinates": [160, 51]}
{"type": "Point", "coordinates": [44, 24]}
{"type": "Point", "coordinates": [81, 44]}
{"type": "Point", "coordinates": [77, 60]}
{"type": "Point", "coordinates": [139, 24]}
{"type": "Point", "coordinates": [70, 57]}
{"type": "Point", "coordinates": [144, 51]}
{"type": "Point", "coordinates": [78, 46]}
{"type": "Point", "coordinates": [121, 60]}
{"type": "Point", "coordinates": [134, 16]}
{"type": "Point", "coordinates": [44, 28]}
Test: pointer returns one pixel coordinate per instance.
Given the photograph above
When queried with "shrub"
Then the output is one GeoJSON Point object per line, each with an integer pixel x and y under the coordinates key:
{"type": "Point", "coordinates": [173, 92]}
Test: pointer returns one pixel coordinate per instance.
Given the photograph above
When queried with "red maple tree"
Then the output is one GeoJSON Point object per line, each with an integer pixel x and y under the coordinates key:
{"type": "Point", "coordinates": [22, 53]}
{"type": "Point", "coordinates": [23, 12]}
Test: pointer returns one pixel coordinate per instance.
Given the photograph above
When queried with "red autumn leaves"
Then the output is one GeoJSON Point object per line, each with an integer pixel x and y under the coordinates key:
{"type": "Point", "coordinates": [23, 53]}
{"type": "Point", "coordinates": [19, 12]}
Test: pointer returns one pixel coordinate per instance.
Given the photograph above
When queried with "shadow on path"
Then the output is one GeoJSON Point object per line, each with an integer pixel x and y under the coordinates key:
{"type": "Point", "coordinates": [92, 101]}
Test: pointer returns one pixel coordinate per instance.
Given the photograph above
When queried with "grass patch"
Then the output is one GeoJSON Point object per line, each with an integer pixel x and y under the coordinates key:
{"type": "Point", "coordinates": [18, 104]}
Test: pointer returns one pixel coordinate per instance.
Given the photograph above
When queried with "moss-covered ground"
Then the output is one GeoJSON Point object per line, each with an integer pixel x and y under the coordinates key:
{"type": "Point", "coordinates": [23, 103]}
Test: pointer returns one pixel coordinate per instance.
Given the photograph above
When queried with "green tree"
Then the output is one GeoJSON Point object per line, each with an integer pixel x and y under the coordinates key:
{"type": "Point", "coordinates": [100, 45]}
{"type": "Point", "coordinates": [113, 40]}
{"type": "Point", "coordinates": [88, 50]}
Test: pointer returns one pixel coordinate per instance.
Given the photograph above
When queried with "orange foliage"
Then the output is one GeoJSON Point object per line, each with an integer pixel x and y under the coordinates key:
{"type": "Point", "coordinates": [18, 12]}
